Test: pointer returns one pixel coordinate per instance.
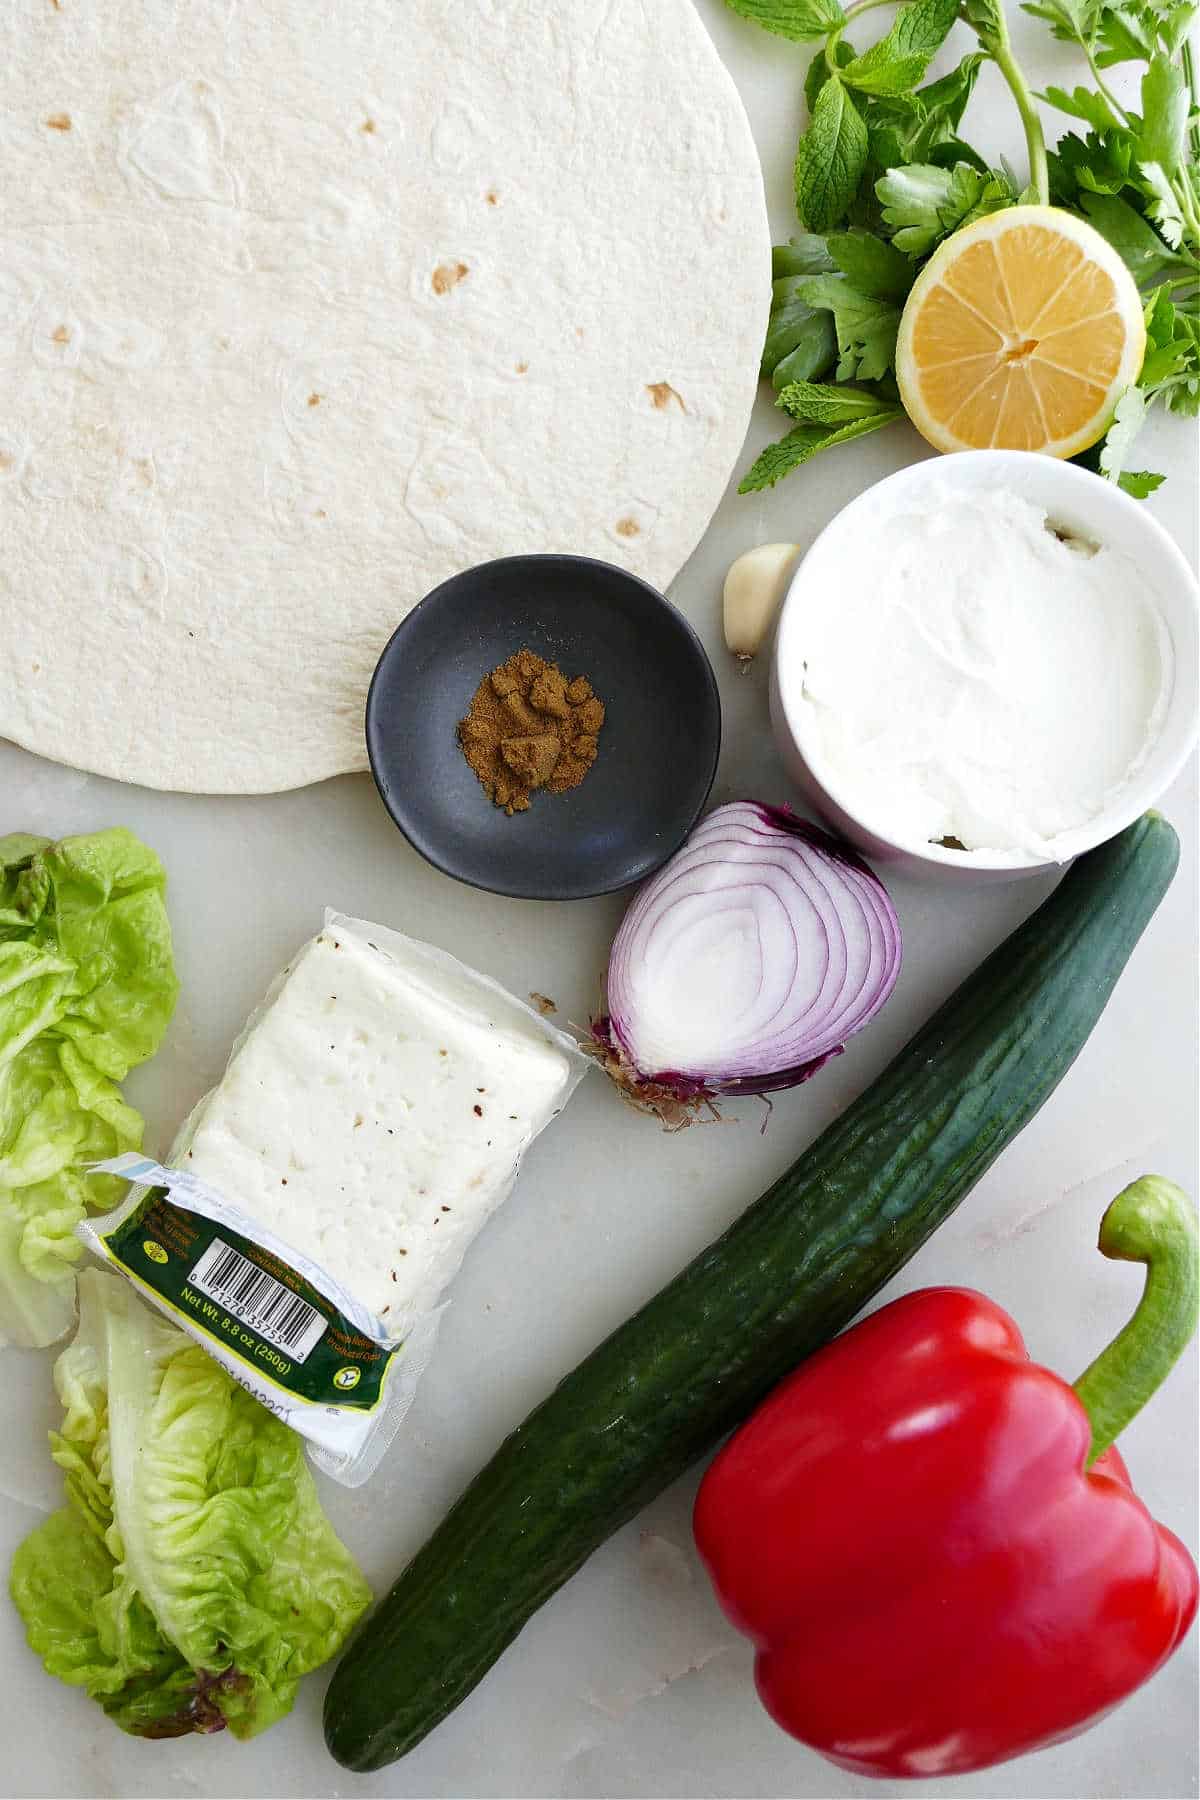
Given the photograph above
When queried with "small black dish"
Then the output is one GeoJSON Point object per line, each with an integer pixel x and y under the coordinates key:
{"type": "Point", "coordinates": [658, 749]}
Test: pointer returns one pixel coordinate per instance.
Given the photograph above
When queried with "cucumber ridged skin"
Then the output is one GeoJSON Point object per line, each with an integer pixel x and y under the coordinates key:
{"type": "Point", "coordinates": [784, 1278]}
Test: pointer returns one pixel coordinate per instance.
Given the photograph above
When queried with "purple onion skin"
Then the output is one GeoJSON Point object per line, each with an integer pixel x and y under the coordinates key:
{"type": "Point", "coordinates": [785, 819]}
{"type": "Point", "coordinates": [685, 1088]}
{"type": "Point", "coordinates": [692, 1090]}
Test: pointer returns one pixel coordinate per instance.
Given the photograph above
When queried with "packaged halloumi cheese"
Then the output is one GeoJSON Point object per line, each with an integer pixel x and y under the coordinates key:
{"type": "Point", "coordinates": [372, 1116]}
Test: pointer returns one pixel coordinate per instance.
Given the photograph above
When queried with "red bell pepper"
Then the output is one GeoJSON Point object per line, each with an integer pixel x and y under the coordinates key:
{"type": "Point", "coordinates": [940, 1560]}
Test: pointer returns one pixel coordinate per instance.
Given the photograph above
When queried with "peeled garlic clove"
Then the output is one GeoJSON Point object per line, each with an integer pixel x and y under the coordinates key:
{"type": "Point", "coordinates": [754, 590]}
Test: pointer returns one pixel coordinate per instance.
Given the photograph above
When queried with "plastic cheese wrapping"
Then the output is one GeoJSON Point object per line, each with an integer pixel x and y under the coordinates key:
{"type": "Point", "coordinates": [372, 1116]}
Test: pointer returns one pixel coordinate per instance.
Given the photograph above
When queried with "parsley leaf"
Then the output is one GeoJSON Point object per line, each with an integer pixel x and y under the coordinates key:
{"type": "Point", "coordinates": [831, 158]}
{"type": "Point", "coordinates": [791, 317]}
{"type": "Point", "coordinates": [800, 340]}
{"type": "Point", "coordinates": [872, 264]}
{"type": "Point", "coordinates": [1173, 30]}
{"type": "Point", "coordinates": [1139, 482]}
{"type": "Point", "coordinates": [801, 20]}
{"type": "Point", "coordinates": [1128, 420]}
{"type": "Point", "coordinates": [813, 353]}
{"type": "Point", "coordinates": [1083, 104]}
{"type": "Point", "coordinates": [1125, 34]}
{"type": "Point", "coordinates": [866, 326]}
{"type": "Point", "coordinates": [1101, 163]}
{"type": "Point", "coordinates": [1164, 115]}
{"type": "Point", "coordinates": [1162, 204]}
{"type": "Point", "coordinates": [1171, 368]}
{"type": "Point", "coordinates": [1070, 20]}
{"type": "Point", "coordinates": [805, 442]}
{"type": "Point", "coordinates": [1144, 252]}
{"type": "Point", "coordinates": [923, 203]}
{"type": "Point", "coordinates": [803, 255]}
{"type": "Point", "coordinates": [882, 177]}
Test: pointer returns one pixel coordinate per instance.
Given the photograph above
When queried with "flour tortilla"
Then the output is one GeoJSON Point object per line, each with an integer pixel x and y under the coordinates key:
{"type": "Point", "coordinates": [304, 308]}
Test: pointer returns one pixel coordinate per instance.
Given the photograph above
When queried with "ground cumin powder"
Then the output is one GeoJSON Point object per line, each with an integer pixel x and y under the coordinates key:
{"type": "Point", "coordinates": [528, 728]}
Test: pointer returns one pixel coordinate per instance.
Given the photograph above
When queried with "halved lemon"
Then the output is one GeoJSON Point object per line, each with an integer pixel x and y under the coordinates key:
{"type": "Point", "coordinates": [1021, 332]}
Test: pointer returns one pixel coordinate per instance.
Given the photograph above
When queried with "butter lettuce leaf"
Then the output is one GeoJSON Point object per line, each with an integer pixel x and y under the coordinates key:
{"type": "Point", "coordinates": [87, 987]}
{"type": "Point", "coordinates": [192, 1579]}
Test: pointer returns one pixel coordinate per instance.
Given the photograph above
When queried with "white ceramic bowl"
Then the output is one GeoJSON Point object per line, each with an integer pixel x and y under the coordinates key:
{"type": "Point", "coordinates": [1085, 504]}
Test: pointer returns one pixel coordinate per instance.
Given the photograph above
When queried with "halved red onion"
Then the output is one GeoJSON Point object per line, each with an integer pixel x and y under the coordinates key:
{"type": "Point", "coordinates": [745, 963]}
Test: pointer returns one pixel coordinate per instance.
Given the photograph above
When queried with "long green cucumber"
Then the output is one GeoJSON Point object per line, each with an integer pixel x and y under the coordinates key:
{"type": "Point", "coordinates": [783, 1279]}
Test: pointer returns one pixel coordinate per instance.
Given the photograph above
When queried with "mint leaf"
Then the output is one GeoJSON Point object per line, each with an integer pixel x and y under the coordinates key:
{"type": "Point", "coordinates": [877, 74]}
{"type": "Point", "coordinates": [801, 20]}
{"type": "Point", "coordinates": [802, 444]}
{"type": "Point", "coordinates": [831, 159]}
{"type": "Point", "coordinates": [866, 326]}
{"type": "Point", "coordinates": [897, 62]}
{"type": "Point", "coordinates": [947, 97]}
{"type": "Point", "coordinates": [923, 203]}
{"type": "Point", "coordinates": [819, 68]}
{"type": "Point", "coordinates": [921, 126]}
{"type": "Point", "coordinates": [1139, 482]}
{"type": "Point", "coordinates": [872, 264]}
{"type": "Point", "coordinates": [1083, 104]}
{"type": "Point", "coordinates": [922, 27]}
{"type": "Point", "coordinates": [820, 403]}
{"type": "Point", "coordinates": [1164, 115]}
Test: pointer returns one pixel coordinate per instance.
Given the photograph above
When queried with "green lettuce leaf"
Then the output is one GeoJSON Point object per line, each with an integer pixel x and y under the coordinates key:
{"type": "Point", "coordinates": [192, 1578]}
{"type": "Point", "coordinates": [87, 987]}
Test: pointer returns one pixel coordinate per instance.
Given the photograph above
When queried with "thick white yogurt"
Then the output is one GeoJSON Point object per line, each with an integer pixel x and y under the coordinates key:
{"type": "Point", "coordinates": [975, 677]}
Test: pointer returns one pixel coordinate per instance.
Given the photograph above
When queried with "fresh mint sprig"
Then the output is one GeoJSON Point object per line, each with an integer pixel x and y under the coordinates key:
{"type": "Point", "coordinates": [826, 415]}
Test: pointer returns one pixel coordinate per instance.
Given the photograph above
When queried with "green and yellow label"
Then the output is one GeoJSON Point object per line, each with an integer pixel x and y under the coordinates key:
{"type": "Point", "coordinates": [250, 1302]}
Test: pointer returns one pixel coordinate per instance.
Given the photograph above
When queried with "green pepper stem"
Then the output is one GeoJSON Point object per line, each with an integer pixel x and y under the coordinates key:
{"type": "Point", "coordinates": [1152, 1222]}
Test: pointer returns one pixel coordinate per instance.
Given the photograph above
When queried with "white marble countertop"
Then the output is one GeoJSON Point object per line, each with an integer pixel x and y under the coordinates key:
{"type": "Point", "coordinates": [629, 1682]}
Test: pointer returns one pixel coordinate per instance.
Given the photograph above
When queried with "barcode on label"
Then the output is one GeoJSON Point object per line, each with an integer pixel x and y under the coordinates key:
{"type": "Point", "coordinates": [258, 1300]}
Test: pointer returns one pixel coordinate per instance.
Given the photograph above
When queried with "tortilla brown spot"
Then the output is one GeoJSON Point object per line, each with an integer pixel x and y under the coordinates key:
{"type": "Point", "coordinates": [662, 394]}
{"type": "Point", "coordinates": [448, 275]}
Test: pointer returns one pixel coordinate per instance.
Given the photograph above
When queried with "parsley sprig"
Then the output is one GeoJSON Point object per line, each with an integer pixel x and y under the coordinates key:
{"type": "Point", "coordinates": [883, 175]}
